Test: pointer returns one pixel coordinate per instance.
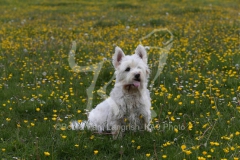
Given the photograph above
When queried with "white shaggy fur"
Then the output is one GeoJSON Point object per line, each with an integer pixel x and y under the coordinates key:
{"type": "Point", "coordinates": [129, 103]}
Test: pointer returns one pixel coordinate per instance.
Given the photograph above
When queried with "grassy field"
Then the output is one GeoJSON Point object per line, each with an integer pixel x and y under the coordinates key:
{"type": "Point", "coordinates": [196, 98]}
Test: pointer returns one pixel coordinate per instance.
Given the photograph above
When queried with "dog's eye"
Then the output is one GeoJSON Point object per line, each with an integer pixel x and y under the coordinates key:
{"type": "Point", "coordinates": [127, 69]}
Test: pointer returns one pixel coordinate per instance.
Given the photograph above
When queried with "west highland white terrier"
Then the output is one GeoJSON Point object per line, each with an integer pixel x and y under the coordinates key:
{"type": "Point", "coordinates": [128, 107]}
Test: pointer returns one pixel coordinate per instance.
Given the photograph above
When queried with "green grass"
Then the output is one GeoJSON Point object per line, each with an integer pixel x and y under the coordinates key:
{"type": "Point", "coordinates": [196, 97]}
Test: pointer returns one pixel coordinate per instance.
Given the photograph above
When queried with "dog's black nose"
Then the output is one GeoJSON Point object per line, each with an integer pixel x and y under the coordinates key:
{"type": "Point", "coordinates": [137, 76]}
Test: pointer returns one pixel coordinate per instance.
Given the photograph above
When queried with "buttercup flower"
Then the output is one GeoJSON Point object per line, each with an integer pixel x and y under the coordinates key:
{"type": "Point", "coordinates": [46, 153]}
{"type": "Point", "coordinates": [95, 152]}
{"type": "Point", "coordinates": [148, 154]}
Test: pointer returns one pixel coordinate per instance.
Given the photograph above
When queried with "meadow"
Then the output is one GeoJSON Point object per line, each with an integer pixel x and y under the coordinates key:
{"type": "Point", "coordinates": [195, 100]}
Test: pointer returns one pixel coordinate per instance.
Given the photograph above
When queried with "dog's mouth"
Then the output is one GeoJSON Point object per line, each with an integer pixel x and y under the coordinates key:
{"type": "Point", "coordinates": [133, 86]}
{"type": "Point", "coordinates": [136, 83]}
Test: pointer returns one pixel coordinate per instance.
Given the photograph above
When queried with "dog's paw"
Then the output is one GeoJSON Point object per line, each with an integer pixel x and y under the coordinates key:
{"type": "Point", "coordinates": [147, 128]}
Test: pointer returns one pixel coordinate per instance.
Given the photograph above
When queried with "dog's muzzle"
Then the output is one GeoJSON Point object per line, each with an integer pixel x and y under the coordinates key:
{"type": "Point", "coordinates": [137, 80]}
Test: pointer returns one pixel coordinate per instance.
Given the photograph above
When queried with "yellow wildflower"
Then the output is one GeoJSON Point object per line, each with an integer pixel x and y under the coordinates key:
{"type": "Point", "coordinates": [95, 152]}
{"type": "Point", "coordinates": [164, 156]}
{"type": "Point", "coordinates": [183, 147]}
{"type": "Point", "coordinates": [148, 155]}
{"type": "Point", "coordinates": [190, 126]}
{"type": "Point", "coordinates": [46, 153]}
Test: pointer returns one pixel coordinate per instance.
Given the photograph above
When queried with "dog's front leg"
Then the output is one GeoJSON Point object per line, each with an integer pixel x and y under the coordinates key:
{"type": "Point", "coordinates": [147, 127]}
{"type": "Point", "coordinates": [116, 131]}
{"type": "Point", "coordinates": [147, 119]}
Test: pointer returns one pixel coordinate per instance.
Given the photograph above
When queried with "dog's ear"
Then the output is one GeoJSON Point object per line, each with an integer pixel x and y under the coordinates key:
{"type": "Point", "coordinates": [117, 57]}
{"type": "Point", "coordinates": [141, 52]}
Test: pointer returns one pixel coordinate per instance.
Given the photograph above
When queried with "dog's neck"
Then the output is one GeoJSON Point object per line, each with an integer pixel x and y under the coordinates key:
{"type": "Point", "coordinates": [130, 89]}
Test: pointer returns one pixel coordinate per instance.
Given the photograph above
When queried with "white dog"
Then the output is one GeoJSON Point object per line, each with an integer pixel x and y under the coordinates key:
{"type": "Point", "coordinates": [128, 106]}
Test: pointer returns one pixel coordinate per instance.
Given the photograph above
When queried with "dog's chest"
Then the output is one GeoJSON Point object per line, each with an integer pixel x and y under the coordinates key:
{"type": "Point", "coordinates": [132, 102]}
{"type": "Point", "coordinates": [133, 105]}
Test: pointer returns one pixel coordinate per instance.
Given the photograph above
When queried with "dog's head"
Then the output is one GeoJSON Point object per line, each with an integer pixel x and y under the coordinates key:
{"type": "Point", "coordinates": [131, 71]}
